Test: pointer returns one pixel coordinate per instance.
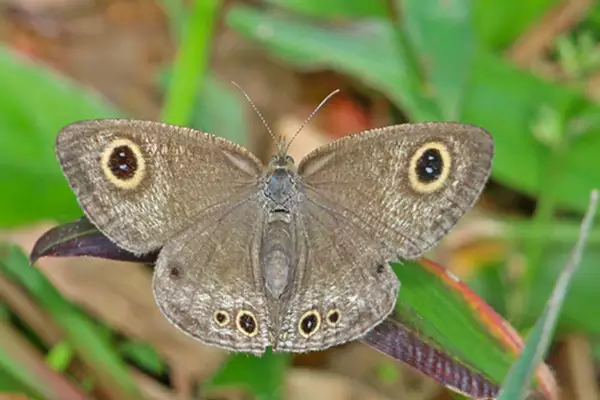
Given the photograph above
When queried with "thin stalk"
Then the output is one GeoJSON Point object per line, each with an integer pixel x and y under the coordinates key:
{"type": "Point", "coordinates": [191, 62]}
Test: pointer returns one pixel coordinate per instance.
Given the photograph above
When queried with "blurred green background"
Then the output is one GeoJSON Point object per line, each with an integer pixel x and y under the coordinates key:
{"type": "Point", "coordinates": [528, 72]}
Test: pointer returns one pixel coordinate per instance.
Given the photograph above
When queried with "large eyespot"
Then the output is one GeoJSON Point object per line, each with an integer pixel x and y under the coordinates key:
{"type": "Point", "coordinates": [221, 317]}
{"type": "Point", "coordinates": [123, 163]}
{"type": "Point", "coordinates": [429, 167]}
{"type": "Point", "coordinates": [246, 323]}
{"type": "Point", "coordinates": [334, 317]}
{"type": "Point", "coordinates": [309, 323]}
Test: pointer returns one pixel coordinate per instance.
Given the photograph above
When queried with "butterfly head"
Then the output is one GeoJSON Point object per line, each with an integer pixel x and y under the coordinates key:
{"type": "Point", "coordinates": [281, 162]}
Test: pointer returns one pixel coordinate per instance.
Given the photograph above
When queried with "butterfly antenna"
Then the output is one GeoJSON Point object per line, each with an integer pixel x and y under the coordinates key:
{"type": "Point", "coordinates": [277, 141]}
{"type": "Point", "coordinates": [312, 114]}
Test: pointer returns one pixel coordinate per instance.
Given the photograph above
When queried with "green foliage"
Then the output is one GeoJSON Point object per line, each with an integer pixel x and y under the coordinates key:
{"type": "Point", "coordinates": [516, 384]}
{"type": "Point", "coordinates": [433, 60]}
{"type": "Point", "coordinates": [32, 186]}
{"type": "Point", "coordinates": [263, 376]}
{"type": "Point", "coordinates": [143, 355]}
{"type": "Point", "coordinates": [90, 343]}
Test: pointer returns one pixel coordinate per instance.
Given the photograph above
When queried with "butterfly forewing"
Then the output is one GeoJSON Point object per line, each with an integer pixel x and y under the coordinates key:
{"type": "Point", "coordinates": [405, 185]}
{"type": "Point", "coordinates": [141, 182]}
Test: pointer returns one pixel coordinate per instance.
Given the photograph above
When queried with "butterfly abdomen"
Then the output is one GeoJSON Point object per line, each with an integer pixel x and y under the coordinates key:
{"type": "Point", "coordinates": [276, 254]}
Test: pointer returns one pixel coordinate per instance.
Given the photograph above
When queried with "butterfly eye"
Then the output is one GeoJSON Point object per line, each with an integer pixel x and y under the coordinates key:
{"type": "Point", "coordinates": [333, 317]}
{"type": "Point", "coordinates": [246, 323]}
{"type": "Point", "coordinates": [221, 317]}
{"type": "Point", "coordinates": [123, 163]}
{"type": "Point", "coordinates": [429, 167]}
{"type": "Point", "coordinates": [309, 323]}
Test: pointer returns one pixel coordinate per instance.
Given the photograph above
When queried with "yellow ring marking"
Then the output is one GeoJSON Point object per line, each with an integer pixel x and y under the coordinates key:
{"type": "Point", "coordinates": [141, 164]}
{"type": "Point", "coordinates": [315, 329]}
{"type": "Point", "coordinates": [239, 325]}
{"type": "Point", "coordinates": [446, 167]}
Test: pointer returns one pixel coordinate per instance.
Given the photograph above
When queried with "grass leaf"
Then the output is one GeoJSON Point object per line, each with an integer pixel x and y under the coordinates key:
{"type": "Point", "coordinates": [191, 62]}
{"type": "Point", "coordinates": [88, 342]}
{"type": "Point", "coordinates": [516, 385]}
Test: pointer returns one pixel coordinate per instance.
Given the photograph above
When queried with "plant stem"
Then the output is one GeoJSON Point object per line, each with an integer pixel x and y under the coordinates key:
{"type": "Point", "coordinates": [191, 62]}
{"type": "Point", "coordinates": [422, 107]}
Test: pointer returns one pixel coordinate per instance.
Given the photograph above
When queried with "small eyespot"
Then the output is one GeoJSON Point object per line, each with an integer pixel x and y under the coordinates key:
{"type": "Point", "coordinates": [334, 316]}
{"type": "Point", "coordinates": [429, 167]}
{"type": "Point", "coordinates": [175, 272]}
{"type": "Point", "coordinates": [309, 323]}
{"type": "Point", "coordinates": [246, 323]}
{"type": "Point", "coordinates": [123, 163]}
{"type": "Point", "coordinates": [221, 317]}
{"type": "Point", "coordinates": [380, 268]}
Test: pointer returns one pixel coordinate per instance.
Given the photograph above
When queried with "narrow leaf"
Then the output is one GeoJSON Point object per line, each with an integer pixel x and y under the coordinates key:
{"type": "Point", "coordinates": [19, 359]}
{"type": "Point", "coordinates": [191, 62]}
{"type": "Point", "coordinates": [516, 385]}
{"type": "Point", "coordinates": [88, 342]}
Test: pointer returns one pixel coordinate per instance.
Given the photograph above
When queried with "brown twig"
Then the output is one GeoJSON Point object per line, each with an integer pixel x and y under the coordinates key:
{"type": "Point", "coordinates": [535, 42]}
{"type": "Point", "coordinates": [581, 368]}
{"type": "Point", "coordinates": [29, 312]}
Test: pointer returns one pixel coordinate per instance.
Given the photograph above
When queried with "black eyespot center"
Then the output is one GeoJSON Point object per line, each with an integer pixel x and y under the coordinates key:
{"type": "Point", "coordinates": [429, 166]}
{"type": "Point", "coordinates": [247, 322]}
{"type": "Point", "coordinates": [309, 323]}
{"type": "Point", "coordinates": [123, 162]}
{"type": "Point", "coordinates": [221, 317]}
{"type": "Point", "coordinates": [333, 317]}
{"type": "Point", "coordinates": [380, 268]}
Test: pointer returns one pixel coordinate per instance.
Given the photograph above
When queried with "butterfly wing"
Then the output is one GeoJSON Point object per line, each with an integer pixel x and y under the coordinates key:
{"type": "Point", "coordinates": [343, 286]}
{"type": "Point", "coordinates": [208, 283]}
{"type": "Point", "coordinates": [142, 182]}
{"type": "Point", "coordinates": [405, 185]}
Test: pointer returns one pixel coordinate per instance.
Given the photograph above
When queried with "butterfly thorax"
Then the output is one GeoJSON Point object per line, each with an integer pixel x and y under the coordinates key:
{"type": "Point", "coordinates": [280, 187]}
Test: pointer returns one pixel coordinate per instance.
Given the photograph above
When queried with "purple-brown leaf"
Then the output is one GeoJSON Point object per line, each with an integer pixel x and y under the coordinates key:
{"type": "Point", "coordinates": [82, 238]}
{"type": "Point", "coordinates": [396, 340]}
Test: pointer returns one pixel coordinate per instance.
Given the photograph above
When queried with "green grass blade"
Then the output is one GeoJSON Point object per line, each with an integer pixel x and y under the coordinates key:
{"type": "Point", "coordinates": [26, 368]}
{"type": "Point", "coordinates": [191, 62]}
{"type": "Point", "coordinates": [87, 341]}
{"type": "Point", "coordinates": [516, 385]}
{"type": "Point", "coordinates": [219, 109]}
